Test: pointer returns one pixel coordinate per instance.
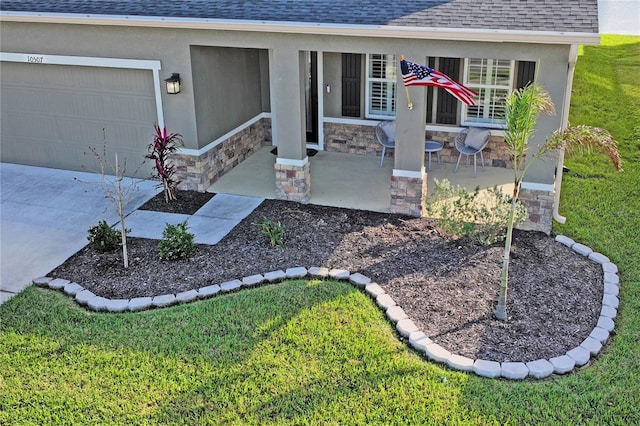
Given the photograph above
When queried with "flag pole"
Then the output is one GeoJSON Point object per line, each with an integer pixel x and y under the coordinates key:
{"type": "Point", "coordinates": [409, 105]}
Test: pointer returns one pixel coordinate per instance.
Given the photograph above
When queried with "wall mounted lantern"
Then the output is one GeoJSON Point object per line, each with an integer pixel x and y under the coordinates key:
{"type": "Point", "coordinates": [173, 84]}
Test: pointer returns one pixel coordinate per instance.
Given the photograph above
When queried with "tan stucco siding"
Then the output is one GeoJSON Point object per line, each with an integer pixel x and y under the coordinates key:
{"type": "Point", "coordinates": [172, 47]}
{"type": "Point", "coordinates": [227, 89]}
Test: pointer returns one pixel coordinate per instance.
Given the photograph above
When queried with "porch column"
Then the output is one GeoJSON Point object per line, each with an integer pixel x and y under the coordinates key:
{"type": "Point", "coordinates": [409, 178]}
{"type": "Point", "coordinates": [292, 168]}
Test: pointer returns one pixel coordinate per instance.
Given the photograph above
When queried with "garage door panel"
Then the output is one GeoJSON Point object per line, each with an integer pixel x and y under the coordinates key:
{"type": "Point", "coordinates": [26, 125]}
{"type": "Point", "coordinates": [128, 109]}
{"type": "Point", "coordinates": [114, 80]}
{"type": "Point", "coordinates": [79, 105]}
{"type": "Point", "coordinates": [26, 99]}
{"type": "Point", "coordinates": [51, 114]}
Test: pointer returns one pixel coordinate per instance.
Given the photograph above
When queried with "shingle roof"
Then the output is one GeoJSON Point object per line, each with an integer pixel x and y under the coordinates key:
{"type": "Point", "coordinates": [579, 16]}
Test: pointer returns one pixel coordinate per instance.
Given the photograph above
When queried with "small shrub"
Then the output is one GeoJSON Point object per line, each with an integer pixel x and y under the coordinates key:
{"type": "Point", "coordinates": [481, 217]}
{"type": "Point", "coordinates": [164, 144]}
{"type": "Point", "coordinates": [272, 230]}
{"type": "Point", "coordinates": [177, 243]}
{"type": "Point", "coordinates": [104, 238]}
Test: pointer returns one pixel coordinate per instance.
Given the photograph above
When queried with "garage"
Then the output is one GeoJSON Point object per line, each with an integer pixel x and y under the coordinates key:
{"type": "Point", "coordinates": [53, 113]}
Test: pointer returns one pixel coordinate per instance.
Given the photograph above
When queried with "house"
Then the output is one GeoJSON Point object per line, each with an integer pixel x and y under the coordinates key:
{"type": "Point", "coordinates": [293, 74]}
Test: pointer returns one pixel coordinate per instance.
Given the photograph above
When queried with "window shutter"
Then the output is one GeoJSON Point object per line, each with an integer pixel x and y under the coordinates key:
{"type": "Point", "coordinates": [526, 73]}
{"type": "Point", "coordinates": [447, 105]}
{"type": "Point", "coordinates": [431, 63]}
{"type": "Point", "coordinates": [351, 84]}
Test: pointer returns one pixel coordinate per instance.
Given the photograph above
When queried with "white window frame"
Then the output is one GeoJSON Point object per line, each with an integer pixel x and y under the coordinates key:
{"type": "Point", "coordinates": [487, 102]}
{"type": "Point", "coordinates": [392, 69]}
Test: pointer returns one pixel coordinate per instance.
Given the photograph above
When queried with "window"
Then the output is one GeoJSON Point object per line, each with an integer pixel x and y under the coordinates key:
{"type": "Point", "coordinates": [381, 86]}
{"type": "Point", "coordinates": [492, 79]}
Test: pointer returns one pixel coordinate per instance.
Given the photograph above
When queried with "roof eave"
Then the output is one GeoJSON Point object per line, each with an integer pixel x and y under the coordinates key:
{"type": "Point", "coordinates": [382, 31]}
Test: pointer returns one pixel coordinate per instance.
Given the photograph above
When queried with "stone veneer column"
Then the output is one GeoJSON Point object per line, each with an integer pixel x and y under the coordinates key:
{"type": "Point", "coordinates": [539, 202]}
{"type": "Point", "coordinates": [408, 192]}
{"type": "Point", "coordinates": [293, 180]}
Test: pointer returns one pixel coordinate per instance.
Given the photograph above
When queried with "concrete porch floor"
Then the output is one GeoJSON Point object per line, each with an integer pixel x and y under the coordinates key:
{"type": "Point", "coordinates": [368, 184]}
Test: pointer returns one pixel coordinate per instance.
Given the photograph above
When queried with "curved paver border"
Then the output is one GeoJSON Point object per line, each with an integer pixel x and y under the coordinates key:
{"type": "Point", "coordinates": [538, 369]}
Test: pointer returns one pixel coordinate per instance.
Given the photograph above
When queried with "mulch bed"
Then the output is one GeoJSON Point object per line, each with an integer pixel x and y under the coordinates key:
{"type": "Point", "coordinates": [186, 202]}
{"type": "Point", "coordinates": [448, 287]}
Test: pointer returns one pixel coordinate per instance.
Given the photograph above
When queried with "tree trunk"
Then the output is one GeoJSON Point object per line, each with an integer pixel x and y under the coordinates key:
{"type": "Point", "coordinates": [501, 309]}
{"type": "Point", "coordinates": [120, 202]}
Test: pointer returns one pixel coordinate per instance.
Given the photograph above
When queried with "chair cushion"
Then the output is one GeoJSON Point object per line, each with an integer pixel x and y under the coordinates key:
{"type": "Point", "coordinates": [476, 137]}
{"type": "Point", "coordinates": [389, 129]}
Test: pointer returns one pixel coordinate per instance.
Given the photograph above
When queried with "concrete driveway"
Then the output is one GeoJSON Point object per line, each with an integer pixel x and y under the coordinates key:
{"type": "Point", "coordinates": [44, 218]}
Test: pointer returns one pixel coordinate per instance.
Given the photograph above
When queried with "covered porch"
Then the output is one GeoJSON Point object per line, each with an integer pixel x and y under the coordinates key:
{"type": "Point", "coordinates": [350, 180]}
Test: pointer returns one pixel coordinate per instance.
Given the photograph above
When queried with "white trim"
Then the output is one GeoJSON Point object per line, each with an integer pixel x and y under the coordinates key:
{"type": "Point", "coordinates": [427, 127]}
{"type": "Point", "coordinates": [458, 129]}
{"type": "Point", "coordinates": [548, 187]}
{"type": "Point", "coordinates": [223, 138]}
{"type": "Point", "coordinates": [85, 61]}
{"type": "Point", "coordinates": [157, 89]}
{"type": "Point", "coordinates": [409, 173]}
{"type": "Point", "coordinates": [573, 58]}
{"type": "Point", "coordinates": [154, 66]}
{"type": "Point", "coordinates": [292, 162]}
{"type": "Point", "coordinates": [379, 31]}
{"type": "Point", "coordinates": [354, 121]}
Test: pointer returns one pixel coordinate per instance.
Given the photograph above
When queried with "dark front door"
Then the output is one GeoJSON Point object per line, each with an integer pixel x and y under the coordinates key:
{"type": "Point", "coordinates": [311, 97]}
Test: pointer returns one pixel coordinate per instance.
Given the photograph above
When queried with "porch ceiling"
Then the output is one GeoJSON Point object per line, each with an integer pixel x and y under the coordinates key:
{"type": "Point", "coordinates": [349, 180]}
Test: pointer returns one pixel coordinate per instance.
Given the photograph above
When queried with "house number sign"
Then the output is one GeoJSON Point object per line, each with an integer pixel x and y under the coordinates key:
{"type": "Point", "coordinates": [35, 59]}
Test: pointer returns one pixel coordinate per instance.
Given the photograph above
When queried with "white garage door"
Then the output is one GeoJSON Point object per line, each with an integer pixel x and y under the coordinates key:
{"type": "Point", "coordinates": [52, 114]}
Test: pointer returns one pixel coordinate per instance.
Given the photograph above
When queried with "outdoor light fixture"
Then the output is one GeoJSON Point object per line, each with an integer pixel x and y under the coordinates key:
{"type": "Point", "coordinates": [173, 84]}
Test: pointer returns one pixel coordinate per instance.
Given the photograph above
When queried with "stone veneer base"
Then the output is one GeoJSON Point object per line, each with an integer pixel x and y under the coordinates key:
{"type": "Point", "coordinates": [293, 183]}
{"type": "Point", "coordinates": [539, 369]}
{"type": "Point", "coordinates": [539, 208]}
{"type": "Point", "coordinates": [349, 138]}
{"type": "Point", "coordinates": [408, 195]}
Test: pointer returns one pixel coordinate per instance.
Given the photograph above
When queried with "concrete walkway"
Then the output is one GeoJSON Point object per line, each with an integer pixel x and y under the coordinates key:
{"type": "Point", "coordinates": [210, 224]}
{"type": "Point", "coordinates": [45, 215]}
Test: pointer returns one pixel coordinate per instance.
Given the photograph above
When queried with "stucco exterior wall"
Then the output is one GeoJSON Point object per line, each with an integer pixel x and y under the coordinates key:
{"type": "Point", "coordinates": [227, 85]}
{"type": "Point", "coordinates": [173, 48]}
{"type": "Point", "coordinates": [170, 44]}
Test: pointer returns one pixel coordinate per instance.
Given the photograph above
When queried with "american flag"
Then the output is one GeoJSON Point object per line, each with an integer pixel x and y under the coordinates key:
{"type": "Point", "coordinates": [420, 75]}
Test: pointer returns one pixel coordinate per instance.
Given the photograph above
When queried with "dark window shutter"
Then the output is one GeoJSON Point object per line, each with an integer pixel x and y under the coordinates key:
{"type": "Point", "coordinates": [447, 105]}
{"type": "Point", "coordinates": [431, 63]}
{"type": "Point", "coordinates": [351, 84]}
{"type": "Point", "coordinates": [526, 73]}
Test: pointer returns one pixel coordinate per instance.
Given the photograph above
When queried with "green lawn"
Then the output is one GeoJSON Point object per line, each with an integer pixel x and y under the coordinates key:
{"type": "Point", "coordinates": [318, 352]}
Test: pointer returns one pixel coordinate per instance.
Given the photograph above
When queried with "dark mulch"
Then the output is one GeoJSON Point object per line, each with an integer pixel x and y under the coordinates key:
{"type": "Point", "coordinates": [186, 202]}
{"type": "Point", "coordinates": [448, 287]}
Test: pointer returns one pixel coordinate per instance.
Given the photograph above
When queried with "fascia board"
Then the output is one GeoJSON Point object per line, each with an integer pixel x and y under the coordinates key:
{"type": "Point", "coordinates": [379, 31]}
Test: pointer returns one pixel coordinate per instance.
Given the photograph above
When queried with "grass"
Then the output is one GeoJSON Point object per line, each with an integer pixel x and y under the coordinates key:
{"type": "Point", "coordinates": [318, 352]}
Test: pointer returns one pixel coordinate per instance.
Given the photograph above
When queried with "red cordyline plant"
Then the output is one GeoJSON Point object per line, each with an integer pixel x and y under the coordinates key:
{"type": "Point", "coordinates": [163, 145]}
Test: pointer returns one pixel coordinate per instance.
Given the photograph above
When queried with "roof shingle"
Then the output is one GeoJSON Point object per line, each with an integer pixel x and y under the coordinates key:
{"type": "Point", "coordinates": [579, 16]}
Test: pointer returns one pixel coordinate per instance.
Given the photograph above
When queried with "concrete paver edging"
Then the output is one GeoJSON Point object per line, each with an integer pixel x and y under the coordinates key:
{"type": "Point", "coordinates": [406, 328]}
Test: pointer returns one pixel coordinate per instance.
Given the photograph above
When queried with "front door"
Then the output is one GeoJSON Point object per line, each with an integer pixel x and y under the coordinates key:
{"type": "Point", "coordinates": [311, 97]}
